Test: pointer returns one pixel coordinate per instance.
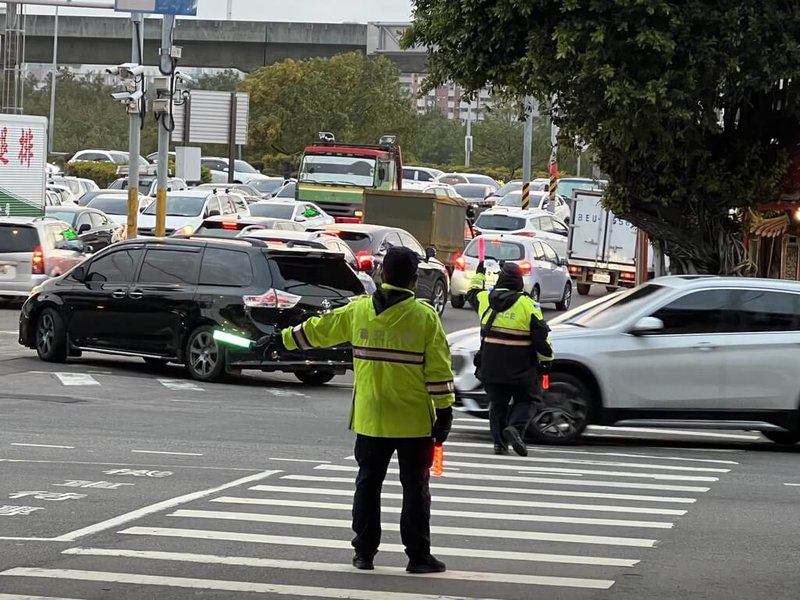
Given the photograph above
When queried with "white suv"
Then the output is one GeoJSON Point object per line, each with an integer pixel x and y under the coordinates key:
{"type": "Point", "coordinates": [695, 351]}
{"type": "Point", "coordinates": [529, 222]}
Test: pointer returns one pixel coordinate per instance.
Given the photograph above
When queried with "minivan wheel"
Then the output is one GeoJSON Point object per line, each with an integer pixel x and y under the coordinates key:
{"type": "Point", "coordinates": [584, 288]}
{"type": "Point", "coordinates": [205, 360]}
{"type": "Point", "coordinates": [566, 298]}
{"type": "Point", "coordinates": [782, 437]}
{"type": "Point", "coordinates": [315, 377]}
{"type": "Point", "coordinates": [51, 337]}
{"type": "Point", "coordinates": [457, 301]}
{"type": "Point", "coordinates": [439, 296]}
{"type": "Point", "coordinates": [565, 411]}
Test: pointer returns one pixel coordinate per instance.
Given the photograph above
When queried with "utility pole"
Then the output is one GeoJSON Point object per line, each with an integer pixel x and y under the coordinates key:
{"type": "Point", "coordinates": [229, 11]}
{"type": "Point", "coordinates": [13, 56]}
{"type": "Point", "coordinates": [551, 203]}
{"type": "Point", "coordinates": [527, 146]}
{"type": "Point", "coordinates": [135, 129]}
{"type": "Point", "coordinates": [468, 137]}
{"type": "Point", "coordinates": [51, 133]}
{"type": "Point", "coordinates": [167, 68]}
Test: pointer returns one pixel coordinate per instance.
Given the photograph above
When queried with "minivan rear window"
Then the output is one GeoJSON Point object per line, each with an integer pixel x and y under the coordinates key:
{"type": "Point", "coordinates": [308, 276]}
{"type": "Point", "coordinates": [357, 241]}
{"type": "Point", "coordinates": [15, 238]}
{"type": "Point", "coordinates": [500, 222]}
{"type": "Point", "coordinates": [497, 250]}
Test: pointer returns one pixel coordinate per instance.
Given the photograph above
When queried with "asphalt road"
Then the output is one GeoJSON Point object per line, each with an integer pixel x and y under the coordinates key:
{"type": "Point", "coordinates": [118, 482]}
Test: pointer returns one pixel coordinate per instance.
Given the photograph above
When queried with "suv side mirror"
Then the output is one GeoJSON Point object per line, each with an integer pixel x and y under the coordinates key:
{"type": "Point", "coordinates": [647, 325]}
{"type": "Point", "coordinates": [430, 252]}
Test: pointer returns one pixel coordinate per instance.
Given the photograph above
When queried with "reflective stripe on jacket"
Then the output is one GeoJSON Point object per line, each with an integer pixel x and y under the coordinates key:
{"type": "Point", "coordinates": [400, 356]}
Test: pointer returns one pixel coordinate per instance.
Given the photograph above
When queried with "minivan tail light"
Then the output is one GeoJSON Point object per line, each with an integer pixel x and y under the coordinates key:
{"type": "Point", "coordinates": [37, 261]}
{"type": "Point", "coordinates": [525, 267]}
{"type": "Point", "coordinates": [272, 299]}
{"type": "Point", "coordinates": [365, 260]}
{"type": "Point", "coordinates": [460, 263]}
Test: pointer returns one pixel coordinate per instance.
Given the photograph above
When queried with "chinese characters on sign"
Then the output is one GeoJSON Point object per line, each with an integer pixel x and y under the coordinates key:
{"type": "Point", "coordinates": [26, 147]}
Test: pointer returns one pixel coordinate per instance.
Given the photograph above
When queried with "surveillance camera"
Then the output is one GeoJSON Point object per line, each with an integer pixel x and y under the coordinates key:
{"type": "Point", "coordinates": [184, 78]}
{"type": "Point", "coordinates": [120, 96]}
{"type": "Point", "coordinates": [113, 71]}
{"type": "Point", "coordinates": [130, 70]}
{"type": "Point", "coordinates": [136, 96]}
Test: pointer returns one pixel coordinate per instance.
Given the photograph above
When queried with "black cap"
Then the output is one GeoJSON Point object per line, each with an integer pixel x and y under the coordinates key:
{"type": "Point", "coordinates": [400, 266]}
{"type": "Point", "coordinates": [510, 277]}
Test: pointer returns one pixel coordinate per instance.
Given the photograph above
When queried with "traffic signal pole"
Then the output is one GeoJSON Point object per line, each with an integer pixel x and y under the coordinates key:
{"type": "Point", "coordinates": [167, 68]}
{"type": "Point", "coordinates": [134, 132]}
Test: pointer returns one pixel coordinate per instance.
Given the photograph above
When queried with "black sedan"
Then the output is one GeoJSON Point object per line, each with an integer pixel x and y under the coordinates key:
{"type": "Point", "coordinates": [94, 228]}
{"type": "Point", "coordinates": [371, 242]}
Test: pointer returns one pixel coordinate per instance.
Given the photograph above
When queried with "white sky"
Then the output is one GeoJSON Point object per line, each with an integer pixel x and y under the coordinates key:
{"type": "Point", "coordinates": [318, 11]}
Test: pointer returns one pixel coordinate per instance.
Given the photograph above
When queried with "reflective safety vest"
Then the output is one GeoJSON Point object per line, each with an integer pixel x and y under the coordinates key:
{"type": "Point", "coordinates": [401, 360]}
{"type": "Point", "coordinates": [518, 339]}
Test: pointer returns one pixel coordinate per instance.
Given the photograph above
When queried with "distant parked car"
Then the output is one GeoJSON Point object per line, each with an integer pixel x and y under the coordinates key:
{"type": "Point", "coordinates": [115, 206]}
{"type": "Point", "coordinates": [187, 209]}
{"type": "Point", "coordinates": [537, 200]}
{"type": "Point", "coordinates": [148, 184]}
{"type": "Point", "coordinates": [94, 228]}
{"type": "Point", "coordinates": [307, 213]}
{"type": "Point", "coordinates": [267, 186]}
{"type": "Point", "coordinates": [118, 157]}
{"type": "Point", "coordinates": [231, 226]}
{"type": "Point", "coordinates": [243, 171]}
{"type": "Point", "coordinates": [456, 178]}
{"type": "Point", "coordinates": [532, 223]}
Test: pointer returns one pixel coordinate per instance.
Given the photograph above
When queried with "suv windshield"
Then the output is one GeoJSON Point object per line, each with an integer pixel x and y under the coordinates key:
{"type": "Point", "coordinates": [181, 206]}
{"type": "Point", "coordinates": [278, 211]}
{"type": "Point", "coordinates": [500, 222]}
{"type": "Point", "coordinates": [307, 276]}
{"type": "Point", "coordinates": [471, 190]}
{"type": "Point", "coordinates": [16, 238]}
{"type": "Point", "coordinates": [609, 313]}
{"type": "Point", "coordinates": [497, 250]}
{"type": "Point", "coordinates": [511, 186]}
{"type": "Point", "coordinates": [111, 205]}
{"type": "Point", "coordinates": [344, 170]}
{"type": "Point", "coordinates": [266, 186]}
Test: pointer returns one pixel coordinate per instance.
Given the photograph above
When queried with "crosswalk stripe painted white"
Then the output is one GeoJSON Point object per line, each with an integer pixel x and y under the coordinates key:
{"type": "Point", "coordinates": [509, 490]}
{"type": "Point", "coordinates": [509, 478]}
{"type": "Point", "coordinates": [730, 436]}
{"type": "Point", "coordinates": [599, 453]}
{"type": "Point", "coordinates": [283, 540]}
{"type": "Point", "coordinates": [541, 536]}
{"type": "Point", "coordinates": [460, 514]}
{"type": "Point", "coordinates": [76, 379]}
{"type": "Point", "coordinates": [587, 462]}
{"type": "Point", "coordinates": [482, 501]}
{"type": "Point", "coordinates": [180, 385]}
{"type": "Point", "coordinates": [302, 565]}
{"type": "Point", "coordinates": [222, 585]}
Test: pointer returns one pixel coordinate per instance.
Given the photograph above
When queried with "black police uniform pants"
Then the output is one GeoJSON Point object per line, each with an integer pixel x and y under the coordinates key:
{"type": "Point", "coordinates": [502, 414]}
{"type": "Point", "coordinates": [415, 456]}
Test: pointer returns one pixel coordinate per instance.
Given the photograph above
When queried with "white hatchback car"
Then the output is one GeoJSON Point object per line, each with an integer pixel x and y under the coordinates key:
{"type": "Point", "coordinates": [306, 213]}
{"type": "Point", "coordinates": [699, 352]}
{"type": "Point", "coordinates": [530, 222]}
{"type": "Point", "coordinates": [545, 274]}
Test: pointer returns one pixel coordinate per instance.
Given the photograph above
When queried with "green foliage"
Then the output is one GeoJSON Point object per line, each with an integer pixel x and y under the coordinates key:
{"type": "Point", "coordinates": [435, 139]}
{"type": "Point", "coordinates": [102, 173]}
{"type": "Point", "coordinates": [357, 97]}
{"type": "Point", "coordinates": [224, 81]}
{"type": "Point", "coordinates": [205, 175]}
{"type": "Point", "coordinates": [282, 165]}
{"type": "Point", "coordinates": [689, 107]}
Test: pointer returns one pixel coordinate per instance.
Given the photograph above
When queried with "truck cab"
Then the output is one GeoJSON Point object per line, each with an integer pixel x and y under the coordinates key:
{"type": "Point", "coordinates": [335, 176]}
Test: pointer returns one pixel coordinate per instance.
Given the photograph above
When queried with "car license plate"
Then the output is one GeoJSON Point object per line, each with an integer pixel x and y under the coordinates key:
{"type": "Point", "coordinates": [601, 277]}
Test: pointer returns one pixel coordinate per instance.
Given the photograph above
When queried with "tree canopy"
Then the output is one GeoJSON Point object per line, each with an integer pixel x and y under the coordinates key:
{"type": "Point", "coordinates": [690, 107]}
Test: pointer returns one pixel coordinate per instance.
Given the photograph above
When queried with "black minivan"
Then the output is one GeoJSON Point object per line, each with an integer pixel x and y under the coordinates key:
{"type": "Point", "coordinates": [211, 304]}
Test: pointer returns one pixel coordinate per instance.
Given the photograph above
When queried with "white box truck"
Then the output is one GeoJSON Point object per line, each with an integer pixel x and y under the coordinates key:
{"type": "Point", "coordinates": [23, 165]}
{"type": "Point", "coordinates": [601, 247]}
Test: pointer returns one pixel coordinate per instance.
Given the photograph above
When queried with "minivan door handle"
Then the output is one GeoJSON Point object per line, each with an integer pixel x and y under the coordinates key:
{"type": "Point", "coordinates": [118, 294]}
{"type": "Point", "coordinates": [704, 347]}
{"type": "Point", "coordinates": [135, 294]}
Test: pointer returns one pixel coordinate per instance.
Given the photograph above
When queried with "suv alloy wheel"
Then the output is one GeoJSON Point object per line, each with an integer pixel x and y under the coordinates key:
{"type": "Point", "coordinates": [564, 413]}
{"type": "Point", "coordinates": [205, 360]}
{"type": "Point", "coordinates": [51, 338]}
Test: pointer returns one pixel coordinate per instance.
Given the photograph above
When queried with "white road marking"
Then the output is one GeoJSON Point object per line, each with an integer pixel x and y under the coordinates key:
{"type": "Point", "coordinates": [587, 462]}
{"type": "Point", "coordinates": [180, 385]}
{"type": "Point", "coordinates": [23, 597]}
{"type": "Point", "coordinates": [303, 460]}
{"type": "Point", "coordinates": [538, 450]}
{"type": "Point", "coordinates": [283, 540]}
{"type": "Point", "coordinates": [459, 514]}
{"type": "Point", "coordinates": [730, 436]}
{"type": "Point", "coordinates": [506, 534]}
{"type": "Point", "coordinates": [43, 446]}
{"type": "Point", "coordinates": [222, 585]}
{"type": "Point", "coordinates": [115, 464]}
{"type": "Point", "coordinates": [167, 453]}
{"type": "Point", "coordinates": [159, 506]}
{"type": "Point", "coordinates": [508, 490]}
{"type": "Point", "coordinates": [25, 539]}
{"type": "Point", "coordinates": [76, 379]}
{"type": "Point", "coordinates": [482, 501]}
{"type": "Point", "coordinates": [584, 482]}
{"type": "Point", "coordinates": [302, 565]}
{"type": "Point", "coordinates": [792, 484]}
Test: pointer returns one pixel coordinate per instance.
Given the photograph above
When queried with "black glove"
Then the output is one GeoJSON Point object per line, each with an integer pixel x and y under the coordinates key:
{"type": "Point", "coordinates": [481, 268]}
{"type": "Point", "coordinates": [444, 422]}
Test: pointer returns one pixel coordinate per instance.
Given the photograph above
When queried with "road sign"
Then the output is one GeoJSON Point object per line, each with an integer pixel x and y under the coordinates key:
{"type": "Point", "coordinates": [161, 7]}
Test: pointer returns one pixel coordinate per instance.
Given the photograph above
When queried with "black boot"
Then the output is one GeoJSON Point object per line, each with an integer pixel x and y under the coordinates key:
{"type": "Point", "coordinates": [512, 436]}
{"type": "Point", "coordinates": [429, 565]}
{"type": "Point", "coordinates": [362, 562]}
{"type": "Point", "coordinates": [500, 449]}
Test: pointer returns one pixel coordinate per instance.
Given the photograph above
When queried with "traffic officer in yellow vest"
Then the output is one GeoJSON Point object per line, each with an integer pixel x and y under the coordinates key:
{"type": "Point", "coordinates": [402, 401]}
{"type": "Point", "coordinates": [515, 351]}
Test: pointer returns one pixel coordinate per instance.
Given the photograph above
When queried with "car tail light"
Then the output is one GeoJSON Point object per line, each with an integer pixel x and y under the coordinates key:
{"type": "Point", "coordinates": [628, 276]}
{"type": "Point", "coordinates": [460, 263]}
{"type": "Point", "coordinates": [526, 233]}
{"type": "Point", "coordinates": [525, 267]}
{"type": "Point", "coordinates": [272, 298]}
{"type": "Point", "coordinates": [365, 260]}
{"type": "Point", "coordinates": [230, 225]}
{"type": "Point", "coordinates": [347, 219]}
{"type": "Point", "coordinates": [574, 269]}
{"type": "Point", "coordinates": [37, 262]}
